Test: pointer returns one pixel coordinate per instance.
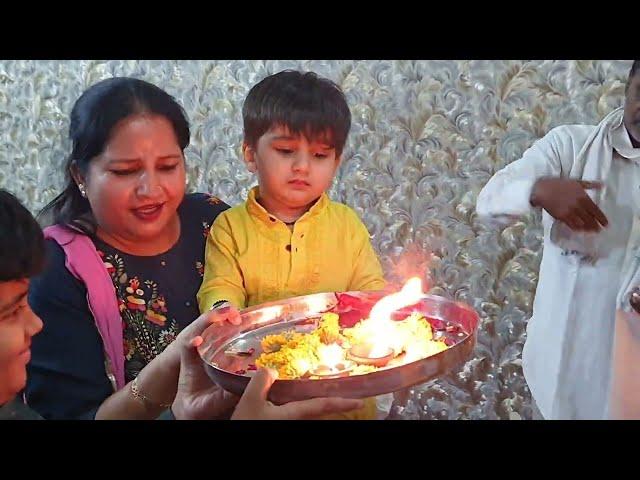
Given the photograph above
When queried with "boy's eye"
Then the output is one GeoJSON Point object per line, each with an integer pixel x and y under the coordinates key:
{"type": "Point", "coordinates": [168, 167]}
{"type": "Point", "coordinates": [321, 155]}
{"type": "Point", "coordinates": [284, 151]}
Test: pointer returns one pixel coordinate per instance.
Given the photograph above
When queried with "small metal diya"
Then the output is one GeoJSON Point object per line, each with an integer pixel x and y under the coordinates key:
{"type": "Point", "coordinates": [340, 369]}
{"type": "Point", "coordinates": [361, 353]}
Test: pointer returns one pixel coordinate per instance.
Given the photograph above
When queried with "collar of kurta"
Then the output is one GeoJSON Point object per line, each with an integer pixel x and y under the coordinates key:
{"type": "Point", "coordinates": [621, 143]}
{"type": "Point", "coordinates": [258, 211]}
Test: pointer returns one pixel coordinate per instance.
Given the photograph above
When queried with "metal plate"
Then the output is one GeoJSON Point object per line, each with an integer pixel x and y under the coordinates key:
{"type": "Point", "coordinates": [451, 320]}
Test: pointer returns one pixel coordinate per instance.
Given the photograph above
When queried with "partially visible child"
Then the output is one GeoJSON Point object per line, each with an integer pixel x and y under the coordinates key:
{"type": "Point", "coordinates": [288, 238]}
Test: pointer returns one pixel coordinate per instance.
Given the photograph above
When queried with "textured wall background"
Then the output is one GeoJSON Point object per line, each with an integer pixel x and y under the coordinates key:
{"type": "Point", "coordinates": [426, 137]}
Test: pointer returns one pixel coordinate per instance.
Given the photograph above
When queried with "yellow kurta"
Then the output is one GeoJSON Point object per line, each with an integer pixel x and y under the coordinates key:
{"type": "Point", "coordinates": [252, 257]}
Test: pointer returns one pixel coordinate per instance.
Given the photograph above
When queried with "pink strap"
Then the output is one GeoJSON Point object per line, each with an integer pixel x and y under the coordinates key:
{"type": "Point", "coordinates": [85, 264]}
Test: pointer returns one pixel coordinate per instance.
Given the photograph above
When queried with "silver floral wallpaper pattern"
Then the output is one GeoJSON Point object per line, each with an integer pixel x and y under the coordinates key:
{"type": "Point", "coordinates": [426, 136]}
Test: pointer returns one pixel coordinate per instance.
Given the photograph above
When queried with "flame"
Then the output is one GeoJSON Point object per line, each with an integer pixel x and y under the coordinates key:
{"type": "Point", "coordinates": [330, 355]}
{"type": "Point", "coordinates": [382, 332]}
{"type": "Point", "coordinates": [410, 294]}
{"type": "Point", "coordinates": [412, 260]}
{"type": "Point", "coordinates": [302, 365]}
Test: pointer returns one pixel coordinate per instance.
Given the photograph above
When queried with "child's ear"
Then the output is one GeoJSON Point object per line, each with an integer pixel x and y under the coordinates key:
{"type": "Point", "coordinates": [249, 156]}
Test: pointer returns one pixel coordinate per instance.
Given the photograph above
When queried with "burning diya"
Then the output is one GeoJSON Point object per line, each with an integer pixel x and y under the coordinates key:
{"type": "Point", "coordinates": [367, 354]}
{"type": "Point", "coordinates": [331, 363]}
{"type": "Point", "coordinates": [354, 344]}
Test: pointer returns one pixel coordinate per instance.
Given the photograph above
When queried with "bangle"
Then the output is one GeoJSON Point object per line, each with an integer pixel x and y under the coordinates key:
{"type": "Point", "coordinates": [218, 304]}
{"type": "Point", "coordinates": [135, 391]}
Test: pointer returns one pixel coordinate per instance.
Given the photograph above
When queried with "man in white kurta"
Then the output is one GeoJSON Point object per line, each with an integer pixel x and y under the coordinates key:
{"type": "Point", "coordinates": [586, 179]}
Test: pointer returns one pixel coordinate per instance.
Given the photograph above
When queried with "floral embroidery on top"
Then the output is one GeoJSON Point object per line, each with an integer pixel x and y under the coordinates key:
{"type": "Point", "coordinates": [155, 305]}
{"type": "Point", "coordinates": [147, 330]}
{"type": "Point", "coordinates": [212, 199]}
{"type": "Point", "coordinates": [206, 228]}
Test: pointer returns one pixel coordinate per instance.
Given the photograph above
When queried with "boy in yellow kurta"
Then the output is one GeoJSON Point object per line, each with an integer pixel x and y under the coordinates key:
{"type": "Point", "coordinates": [289, 238]}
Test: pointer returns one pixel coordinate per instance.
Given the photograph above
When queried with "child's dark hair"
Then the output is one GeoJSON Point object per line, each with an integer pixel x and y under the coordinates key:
{"type": "Point", "coordinates": [21, 240]}
{"type": "Point", "coordinates": [93, 117]}
{"type": "Point", "coordinates": [302, 102]}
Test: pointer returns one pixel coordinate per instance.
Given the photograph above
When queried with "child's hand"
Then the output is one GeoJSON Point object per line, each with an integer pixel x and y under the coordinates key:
{"type": "Point", "coordinates": [226, 312]}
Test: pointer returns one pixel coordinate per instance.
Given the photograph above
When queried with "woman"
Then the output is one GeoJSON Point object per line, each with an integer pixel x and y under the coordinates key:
{"type": "Point", "coordinates": [124, 259]}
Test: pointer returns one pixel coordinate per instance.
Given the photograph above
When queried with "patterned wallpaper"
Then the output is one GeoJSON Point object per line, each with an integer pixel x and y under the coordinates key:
{"type": "Point", "coordinates": [426, 136]}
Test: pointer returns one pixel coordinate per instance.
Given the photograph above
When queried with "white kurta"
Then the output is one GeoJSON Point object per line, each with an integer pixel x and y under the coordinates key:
{"type": "Point", "coordinates": [567, 357]}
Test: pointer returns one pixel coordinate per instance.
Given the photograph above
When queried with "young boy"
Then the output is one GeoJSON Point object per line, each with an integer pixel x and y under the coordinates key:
{"type": "Point", "coordinates": [21, 256]}
{"type": "Point", "coordinates": [288, 238]}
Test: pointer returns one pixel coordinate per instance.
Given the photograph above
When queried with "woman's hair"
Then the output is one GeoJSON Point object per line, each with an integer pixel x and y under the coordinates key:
{"type": "Point", "coordinates": [94, 115]}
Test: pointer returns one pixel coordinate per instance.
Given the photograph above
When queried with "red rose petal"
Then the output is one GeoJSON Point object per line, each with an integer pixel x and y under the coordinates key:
{"type": "Point", "coordinates": [437, 324]}
{"type": "Point", "coordinates": [348, 302]}
{"type": "Point", "coordinates": [350, 318]}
